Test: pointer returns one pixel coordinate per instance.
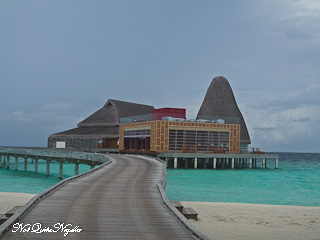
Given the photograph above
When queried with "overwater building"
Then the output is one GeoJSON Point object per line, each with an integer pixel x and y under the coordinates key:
{"type": "Point", "coordinates": [220, 103]}
{"type": "Point", "coordinates": [130, 127]}
{"type": "Point", "coordinates": [101, 129]}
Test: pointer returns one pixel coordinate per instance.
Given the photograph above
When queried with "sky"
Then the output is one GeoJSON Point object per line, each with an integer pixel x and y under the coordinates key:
{"type": "Point", "coordinates": [61, 60]}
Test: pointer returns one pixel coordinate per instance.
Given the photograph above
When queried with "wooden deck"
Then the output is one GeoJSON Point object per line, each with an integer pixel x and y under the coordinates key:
{"type": "Point", "coordinates": [119, 201]}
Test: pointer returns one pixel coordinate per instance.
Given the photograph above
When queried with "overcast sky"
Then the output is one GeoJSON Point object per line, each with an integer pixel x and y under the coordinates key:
{"type": "Point", "coordinates": [61, 60]}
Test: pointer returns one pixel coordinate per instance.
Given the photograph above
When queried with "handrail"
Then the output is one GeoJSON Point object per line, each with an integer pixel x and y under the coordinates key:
{"type": "Point", "coordinates": [53, 153]}
{"type": "Point", "coordinates": [22, 211]}
{"type": "Point", "coordinates": [195, 233]}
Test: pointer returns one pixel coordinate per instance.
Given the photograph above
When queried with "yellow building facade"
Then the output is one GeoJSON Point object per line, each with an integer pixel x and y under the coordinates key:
{"type": "Point", "coordinates": [179, 136]}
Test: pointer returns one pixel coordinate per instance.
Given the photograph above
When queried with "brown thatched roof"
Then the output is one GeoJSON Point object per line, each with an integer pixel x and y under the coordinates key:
{"type": "Point", "coordinates": [112, 111]}
{"type": "Point", "coordinates": [220, 101]}
{"type": "Point", "coordinates": [81, 132]}
{"type": "Point", "coordinates": [105, 121]}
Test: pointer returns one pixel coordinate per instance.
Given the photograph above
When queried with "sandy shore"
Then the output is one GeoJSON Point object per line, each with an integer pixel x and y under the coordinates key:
{"type": "Point", "coordinates": [9, 200]}
{"type": "Point", "coordinates": [255, 221]}
{"type": "Point", "coordinates": [224, 221]}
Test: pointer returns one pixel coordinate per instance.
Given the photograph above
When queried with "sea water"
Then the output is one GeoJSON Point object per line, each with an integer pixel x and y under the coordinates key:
{"type": "Point", "coordinates": [295, 182]}
{"type": "Point", "coordinates": [29, 182]}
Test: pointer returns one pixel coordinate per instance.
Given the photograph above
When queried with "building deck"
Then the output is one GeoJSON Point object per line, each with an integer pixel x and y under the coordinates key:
{"type": "Point", "coordinates": [119, 201]}
{"type": "Point", "coordinates": [218, 160]}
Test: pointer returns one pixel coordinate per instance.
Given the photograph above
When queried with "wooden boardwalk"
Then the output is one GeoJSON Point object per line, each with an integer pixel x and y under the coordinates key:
{"type": "Point", "coordinates": [119, 201]}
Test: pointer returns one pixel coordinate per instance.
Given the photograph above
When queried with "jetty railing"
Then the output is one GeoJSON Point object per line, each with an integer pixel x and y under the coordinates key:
{"type": "Point", "coordinates": [22, 211]}
{"type": "Point", "coordinates": [195, 233]}
{"type": "Point", "coordinates": [61, 156]}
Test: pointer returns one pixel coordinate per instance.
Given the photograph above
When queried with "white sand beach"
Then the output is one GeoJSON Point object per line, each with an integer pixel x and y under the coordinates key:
{"type": "Point", "coordinates": [9, 200]}
{"type": "Point", "coordinates": [256, 221]}
{"type": "Point", "coordinates": [233, 220]}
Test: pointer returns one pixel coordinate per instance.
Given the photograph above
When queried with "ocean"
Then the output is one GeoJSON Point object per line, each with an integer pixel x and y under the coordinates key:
{"type": "Point", "coordinates": [295, 182]}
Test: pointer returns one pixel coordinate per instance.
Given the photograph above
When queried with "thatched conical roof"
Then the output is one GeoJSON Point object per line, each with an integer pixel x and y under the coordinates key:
{"type": "Point", "coordinates": [220, 102]}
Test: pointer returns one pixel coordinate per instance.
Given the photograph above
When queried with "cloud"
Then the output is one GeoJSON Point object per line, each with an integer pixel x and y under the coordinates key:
{"type": "Point", "coordinates": [297, 19]}
{"type": "Point", "coordinates": [21, 128]}
{"type": "Point", "coordinates": [57, 106]}
{"type": "Point", "coordinates": [291, 119]}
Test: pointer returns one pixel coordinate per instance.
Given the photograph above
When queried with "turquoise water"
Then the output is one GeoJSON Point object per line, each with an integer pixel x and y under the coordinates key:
{"type": "Point", "coordinates": [296, 182]}
{"type": "Point", "coordinates": [28, 181]}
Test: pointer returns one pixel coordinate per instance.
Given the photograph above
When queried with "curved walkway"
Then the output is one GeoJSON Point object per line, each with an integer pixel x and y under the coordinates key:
{"type": "Point", "coordinates": [119, 201]}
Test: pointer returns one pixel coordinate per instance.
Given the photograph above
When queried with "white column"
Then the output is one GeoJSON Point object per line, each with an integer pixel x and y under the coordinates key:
{"type": "Point", "coordinates": [61, 170]}
{"type": "Point", "coordinates": [263, 163]}
{"type": "Point", "coordinates": [48, 168]}
{"type": "Point", "coordinates": [250, 163]}
{"type": "Point", "coordinates": [8, 162]}
{"type": "Point", "coordinates": [276, 164]}
{"type": "Point", "coordinates": [76, 169]}
{"type": "Point", "coordinates": [166, 162]}
{"type": "Point", "coordinates": [195, 162]}
{"type": "Point", "coordinates": [215, 163]}
{"type": "Point", "coordinates": [232, 163]}
{"type": "Point", "coordinates": [175, 162]}
{"type": "Point", "coordinates": [16, 163]}
{"type": "Point", "coordinates": [36, 165]}
{"type": "Point", "coordinates": [25, 164]}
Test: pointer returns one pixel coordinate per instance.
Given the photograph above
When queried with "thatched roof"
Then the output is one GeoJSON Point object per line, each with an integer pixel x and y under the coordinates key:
{"type": "Point", "coordinates": [112, 111]}
{"type": "Point", "coordinates": [82, 132]}
{"type": "Point", "coordinates": [220, 101]}
{"type": "Point", "coordinates": [105, 121]}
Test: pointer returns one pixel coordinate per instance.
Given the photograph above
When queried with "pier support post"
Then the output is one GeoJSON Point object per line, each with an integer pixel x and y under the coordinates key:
{"type": "Point", "coordinates": [195, 162]}
{"type": "Point", "coordinates": [61, 170]}
{"type": "Point", "coordinates": [76, 169]}
{"type": "Point", "coordinates": [232, 163]}
{"type": "Point", "coordinates": [36, 165]}
{"type": "Point", "coordinates": [204, 163]}
{"type": "Point", "coordinates": [48, 168]}
{"type": "Point", "coordinates": [263, 163]}
{"type": "Point", "coordinates": [175, 162]}
{"type": "Point", "coordinates": [276, 167]}
{"type": "Point", "coordinates": [8, 162]}
{"type": "Point", "coordinates": [186, 163]}
{"type": "Point", "coordinates": [16, 163]}
{"type": "Point", "coordinates": [215, 163]}
{"type": "Point", "coordinates": [166, 162]}
{"type": "Point", "coordinates": [25, 164]}
{"type": "Point", "coordinates": [250, 163]}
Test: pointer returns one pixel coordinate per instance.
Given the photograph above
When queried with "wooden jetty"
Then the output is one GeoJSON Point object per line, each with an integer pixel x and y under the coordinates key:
{"type": "Point", "coordinates": [120, 200]}
{"type": "Point", "coordinates": [36, 155]}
